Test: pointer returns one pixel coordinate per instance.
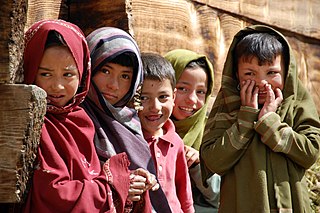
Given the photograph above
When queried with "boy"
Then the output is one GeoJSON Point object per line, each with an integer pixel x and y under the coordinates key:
{"type": "Point", "coordinates": [157, 98]}
{"type": "Point", "coordinates": [263, 131]}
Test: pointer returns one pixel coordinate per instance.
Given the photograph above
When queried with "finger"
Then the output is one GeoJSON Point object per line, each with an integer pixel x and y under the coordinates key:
{"type": "Point", "coordinates": [155, 187]}
{"type": "Point", "coordinates": [134, 198]}
{"type": "Point", "coordinates": [279, 96]}
{"type": "Point", "coordinates": [249, 92]}
{"type": "Point", "coordinates": [270, 93]}
{"type": "Point", "coordinates": [134, 191]}
{"type": "Point", "coordinates": [255, 96]}
{"type": "Point", "coordinates": [243, 90]}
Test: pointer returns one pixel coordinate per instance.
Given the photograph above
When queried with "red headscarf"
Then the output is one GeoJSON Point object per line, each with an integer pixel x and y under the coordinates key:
{"type": "Point", "coordinates": [68, 177]}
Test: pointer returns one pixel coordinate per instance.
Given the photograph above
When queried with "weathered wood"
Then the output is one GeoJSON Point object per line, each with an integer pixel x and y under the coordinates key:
{"type": "Point", "coordinates": [90, 15]}
{"type": "Point", "coordinates": [22, 110]}
{"type": "Point", "coordinates": [301, 17]}
{"type": "Point", "coordinates": [12, 22]}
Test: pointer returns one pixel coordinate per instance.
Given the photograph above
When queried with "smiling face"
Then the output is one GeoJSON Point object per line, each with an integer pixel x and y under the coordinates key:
{"type": "Point", "coordinates": [191, 88]}
{"type": "Point", "coordinates": [58, 75]}
{"type": "Point", "coordinates": [113, 81]}
{"type": "Point", "coordinates": [157, 99]}
{"type": "Point", "coordinates": [271, 73]}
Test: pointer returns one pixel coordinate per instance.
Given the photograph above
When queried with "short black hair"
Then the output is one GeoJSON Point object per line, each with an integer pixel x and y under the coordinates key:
{"type": "Point", "coordinates": [156, 67]}
{"type": "Point", "coordinates": [265, 46]}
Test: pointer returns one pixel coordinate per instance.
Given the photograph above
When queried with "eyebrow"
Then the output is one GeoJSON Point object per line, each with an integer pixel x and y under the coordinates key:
{"type": "Point", "coordinates": [44, 68]}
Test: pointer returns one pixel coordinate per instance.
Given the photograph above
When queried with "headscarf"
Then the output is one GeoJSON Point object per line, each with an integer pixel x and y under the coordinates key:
{"type": "Point", "coordinates": [276, 173]}
{"type": "Point", "coordinates": [191, 128]}
{"type": "Point", "coordinates": [35, 40]}
{"type": "Point", "coordinates": [118, 127]}
{"type": "Point", "coordinates": [68, 176]}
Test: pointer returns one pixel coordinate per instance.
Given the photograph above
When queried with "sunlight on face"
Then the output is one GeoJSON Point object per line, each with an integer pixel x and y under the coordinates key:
{"type": "Point", "coordinates": [192, 88]}
{"type": "Point", "coordinates": [58, 75]}
{"type": "Point", "coordinates": [157, 99]}
{"type": "Point", "coordinates": [272, 74]}
{"type": "Point", "coordinates": [113, 81]}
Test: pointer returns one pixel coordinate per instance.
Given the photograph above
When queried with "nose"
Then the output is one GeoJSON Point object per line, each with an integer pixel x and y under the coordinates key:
{"type": "Point", "coordinates": [155, 105]}
{"type": "Point", "coordinates": [261, 82]}
{"type": "Point", "coordinates": [57, 84]}
{"type": "Point", "coordinates": [192, 98]}
{"type": "Point", "coordinates": [113, 83]}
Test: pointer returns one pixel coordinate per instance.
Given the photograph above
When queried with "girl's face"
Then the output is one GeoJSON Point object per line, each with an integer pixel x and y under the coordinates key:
{"type": "Point", "coordinates": [191, 93]}
{"type": "Point", "coordinates": [113, 81]}
{"type": "Point", "coordinates": [58, 75]}
{"type": "Point", "coordinates": [272, 74]}
{"type": "Point", "coordinates": [157, 98]}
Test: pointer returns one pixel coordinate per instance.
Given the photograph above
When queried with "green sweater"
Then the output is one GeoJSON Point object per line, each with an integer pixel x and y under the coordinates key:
{"type": "Point", "coordinates": [262, 162]}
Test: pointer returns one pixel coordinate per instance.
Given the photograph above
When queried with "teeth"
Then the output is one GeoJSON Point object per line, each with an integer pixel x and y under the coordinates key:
{"type": "Point", "coordinates": [186, 109]}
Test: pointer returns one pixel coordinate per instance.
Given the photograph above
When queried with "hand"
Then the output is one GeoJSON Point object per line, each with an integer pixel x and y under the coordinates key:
{"type": "Point", "coordinates": [141, 181]}
{"type": "Point", "coordinates": [249, 94]}
{"type": "Point", "coordinates": [192, 155]}
{"type": "Point", "coordinates": [272, 102]}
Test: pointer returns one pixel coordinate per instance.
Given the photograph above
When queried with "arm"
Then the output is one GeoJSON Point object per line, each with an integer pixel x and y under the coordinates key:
{"type": "Point", "coordinates": [300, 142]}
{"type": "Point", "coordinates": [222, 147]}
{"type": "Point", "coordinates": [76, 182]}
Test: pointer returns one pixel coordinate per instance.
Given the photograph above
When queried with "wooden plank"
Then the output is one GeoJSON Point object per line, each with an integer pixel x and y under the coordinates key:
{"type": "Point", "coordinates": [90, 15]}
{"type": "Point", "coordinates": [22, 110]}
{"type": "Point", "coordinates": [301, 17]}
{"type": "Point", "coordinates": [12, 22]}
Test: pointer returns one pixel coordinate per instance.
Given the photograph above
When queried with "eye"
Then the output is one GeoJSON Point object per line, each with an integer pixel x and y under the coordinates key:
{"type": "Point", "coordinates": [182, 89]}
{"type": "Point", "coordinates": [249, 73]}
{"type": "Point", "coordinates": [125, 76]}
{"type": "Point", "coordinates": [143, 98]}
{"type": "Point", "coordinates": [45, 74]}
{"type": "Point", "coordinates": [202, 92]}
{"type": "Point", "coordinates": [272, 72]}
{"type": "Point", "coordinates": [163, 97]}
{"type": "Point", "coordinates": [104, 70]}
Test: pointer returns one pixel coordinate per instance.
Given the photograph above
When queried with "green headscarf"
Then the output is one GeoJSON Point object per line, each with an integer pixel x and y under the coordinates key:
{"type": "Point", "coordinates": [191, 128]}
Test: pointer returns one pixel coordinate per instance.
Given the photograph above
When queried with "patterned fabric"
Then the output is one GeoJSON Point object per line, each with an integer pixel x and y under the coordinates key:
{"type": "Point", "coordinates": [69, 177]}
{"type": "Point", "coordinates": [118, 127]}
{"type": "Point", "coordinates": [191, 128]}
{"type": "Point", "coordinates": [262, 162]}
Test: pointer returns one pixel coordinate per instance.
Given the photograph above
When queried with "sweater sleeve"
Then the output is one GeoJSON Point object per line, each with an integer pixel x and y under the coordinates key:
{"type": "Point", "coordinates": [222, 147]}
{"type": "Point", "coordinates": [300, 142]}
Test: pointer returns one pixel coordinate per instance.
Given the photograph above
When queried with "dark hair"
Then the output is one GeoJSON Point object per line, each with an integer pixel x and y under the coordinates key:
{"type": "Point", "coordinates": [55, 39]}
{"type": "Point", "coordinates": [200, 63]}
{"type": "Point", "coordinates": [265, 46]}
{"type": "Point", "coordinates": [126, 59]}
{"type": "Point", "coordinates": [156, 67]}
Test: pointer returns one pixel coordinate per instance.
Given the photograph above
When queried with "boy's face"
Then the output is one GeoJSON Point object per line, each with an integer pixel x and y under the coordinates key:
{"type": "Point", "coordinates": [157, 99]}
{"type": "Point", "coordinates": [272, 74]}
{"type": "Point", "coordinates": [58, 75]}
{"type": "Point", "coordinates": [113, 81]}
{"type": "Point", "coordinates": [191, 88]}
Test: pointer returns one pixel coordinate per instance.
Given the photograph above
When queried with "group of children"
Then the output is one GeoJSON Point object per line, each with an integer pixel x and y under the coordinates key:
{"type": "Point", "coordinates": [127, 131]}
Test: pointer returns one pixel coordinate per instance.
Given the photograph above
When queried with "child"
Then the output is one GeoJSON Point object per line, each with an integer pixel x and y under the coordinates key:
{"type": "Point", "coordinates": [263, 130]}
{"type": "Point", "coordinates": [157, 98]}
{"type": "Point", "coordinates": [194, 74]}
{"type": "Point", "coordinates": [69, 177]}
{"type": "Point", "coordinates": [116, 75]}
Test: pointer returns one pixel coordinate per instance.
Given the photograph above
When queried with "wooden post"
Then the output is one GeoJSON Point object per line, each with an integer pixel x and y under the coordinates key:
{"type": "Point", "coordinates": [22, 108]}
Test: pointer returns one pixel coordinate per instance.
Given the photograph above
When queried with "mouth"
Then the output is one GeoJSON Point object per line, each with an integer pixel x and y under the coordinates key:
{"type": "Point", "coordinates": [153, 117]}
{"type": "Point", "coordinates": [54, 98]}
{"type": "Point", "coordinates": [109, 96]}
{"type": "Point", "coordinates": [187, 109]}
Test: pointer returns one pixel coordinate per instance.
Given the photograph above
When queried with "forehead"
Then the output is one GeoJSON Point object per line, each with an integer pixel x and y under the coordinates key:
{"type": "Point", "coordinates": [155, 85]}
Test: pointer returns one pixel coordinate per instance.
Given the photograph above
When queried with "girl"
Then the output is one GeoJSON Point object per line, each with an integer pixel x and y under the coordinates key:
{"type": "Point", "coordinates": [116, 75]}
{"type": "Point", "coordinates": [68, 175]}
{"type": "Point", "coordinates": [194, 74]}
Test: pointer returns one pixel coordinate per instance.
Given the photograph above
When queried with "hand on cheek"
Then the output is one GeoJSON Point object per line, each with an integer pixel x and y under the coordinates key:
{"type": "Point", "coordinates": [273, 101]}
{"type": "Point", "coordinates": [249, 94]}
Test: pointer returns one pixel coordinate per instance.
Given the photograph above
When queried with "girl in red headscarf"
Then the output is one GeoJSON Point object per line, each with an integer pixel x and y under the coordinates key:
{"type": "Point", "coordinates": [68, 176]}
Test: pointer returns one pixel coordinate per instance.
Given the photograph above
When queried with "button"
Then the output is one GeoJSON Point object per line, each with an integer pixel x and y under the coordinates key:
{"type": "Point", "coordinates": [160, 168]}
{"type": "Point", "coordinates": [158, 154]}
